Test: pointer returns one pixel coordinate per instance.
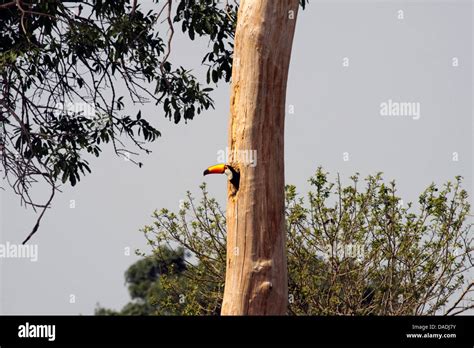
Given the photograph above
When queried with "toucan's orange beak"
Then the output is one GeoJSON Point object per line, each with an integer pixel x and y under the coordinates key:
{"type": "Point", "coordinates": [217, 169]}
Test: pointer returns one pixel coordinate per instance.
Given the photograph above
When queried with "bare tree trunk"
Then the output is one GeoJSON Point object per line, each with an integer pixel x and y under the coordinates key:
{"type": "Point", "coordinates": [256, 275]}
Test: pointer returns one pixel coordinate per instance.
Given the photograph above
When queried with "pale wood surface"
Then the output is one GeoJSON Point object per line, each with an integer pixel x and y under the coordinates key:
{"type": "Point", "coordinates": [256, 274]}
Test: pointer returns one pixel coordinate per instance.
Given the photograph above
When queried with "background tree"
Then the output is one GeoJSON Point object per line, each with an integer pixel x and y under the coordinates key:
{"type": "Point", "coordinates": [352, 250]}
{"type": "Point", "coordinates": [144, 286]}
{"type": "Point", "coordinates": [63, 63]}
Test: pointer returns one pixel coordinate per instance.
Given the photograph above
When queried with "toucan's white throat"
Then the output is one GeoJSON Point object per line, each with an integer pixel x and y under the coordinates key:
{"type": "Point", "coordinates": [229, 174]}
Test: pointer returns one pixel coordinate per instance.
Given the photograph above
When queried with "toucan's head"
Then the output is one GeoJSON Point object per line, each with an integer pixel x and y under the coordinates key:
{"type": "Point", "coordinates": [232, 174]}
{"type": "Point", "coordinates": [220, 169]}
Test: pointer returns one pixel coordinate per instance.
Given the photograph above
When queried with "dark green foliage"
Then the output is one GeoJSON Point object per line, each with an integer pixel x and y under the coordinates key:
{"type": "Point", "coordinates": [199, 18]}
{"type": "Point", "coordinates": [58, 56]}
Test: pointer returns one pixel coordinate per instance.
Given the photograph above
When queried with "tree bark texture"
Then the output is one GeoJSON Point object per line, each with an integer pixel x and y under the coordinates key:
{"type": "Point", "coordinates": [256, 270]}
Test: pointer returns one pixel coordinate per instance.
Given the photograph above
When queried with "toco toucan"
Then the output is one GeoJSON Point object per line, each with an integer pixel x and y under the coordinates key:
{"type": "Point", "coordinates": [226, 169]}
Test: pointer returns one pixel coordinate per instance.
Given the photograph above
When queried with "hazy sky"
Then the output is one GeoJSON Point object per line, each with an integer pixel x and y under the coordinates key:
{"type": "Point", "coordinates": [335, 121]}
